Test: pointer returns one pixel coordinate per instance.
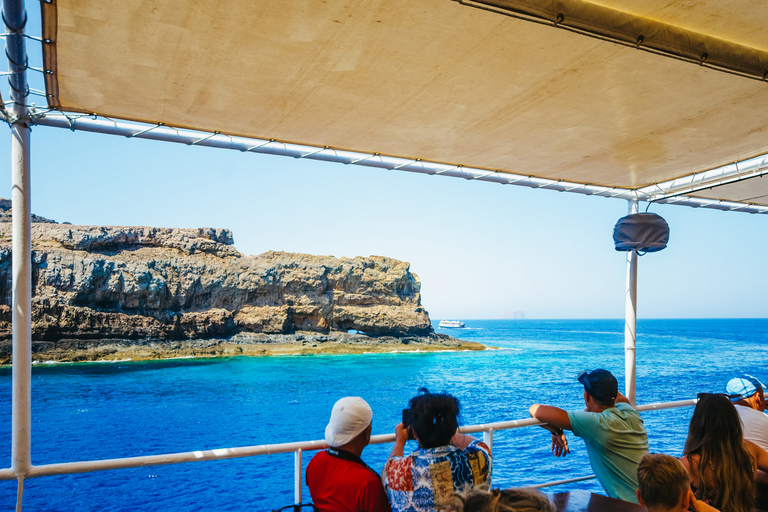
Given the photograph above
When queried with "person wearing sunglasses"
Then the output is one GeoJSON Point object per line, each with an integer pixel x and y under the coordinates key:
{"type": "Point", "coordinates": [747, 393]}
{"type": "Point", "coordinates": [722, 466]}
{"type": "Point", "coordinates": [610, 427]}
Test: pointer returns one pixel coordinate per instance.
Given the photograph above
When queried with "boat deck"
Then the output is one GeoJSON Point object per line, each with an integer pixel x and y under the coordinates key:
{"type": "Point", "coordinates": [585, 501]}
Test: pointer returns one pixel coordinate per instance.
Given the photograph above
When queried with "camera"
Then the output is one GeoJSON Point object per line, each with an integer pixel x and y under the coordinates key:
{"type": "Point", "coordinates": [407, 422]}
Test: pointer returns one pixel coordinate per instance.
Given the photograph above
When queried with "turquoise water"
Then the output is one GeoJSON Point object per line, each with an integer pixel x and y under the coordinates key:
{"type": "Point", "coordinates": [108, 410]}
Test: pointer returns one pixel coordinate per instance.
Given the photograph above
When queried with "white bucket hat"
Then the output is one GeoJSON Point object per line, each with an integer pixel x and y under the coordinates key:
{"type": "Point", "coordinates": [349, 417]}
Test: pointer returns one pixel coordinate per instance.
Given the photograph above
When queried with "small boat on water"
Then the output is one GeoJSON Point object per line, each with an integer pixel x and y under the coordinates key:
{"type": "Point", "coordinates": [451, 324]}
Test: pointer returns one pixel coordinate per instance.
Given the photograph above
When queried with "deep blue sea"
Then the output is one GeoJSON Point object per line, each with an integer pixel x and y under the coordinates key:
{"type": "Point", "coordinates": [108, 410]}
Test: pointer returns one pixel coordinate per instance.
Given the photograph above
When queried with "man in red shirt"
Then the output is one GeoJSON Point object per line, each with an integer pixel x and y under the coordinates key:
{"type": "Point", "coordinates": [338, 479]}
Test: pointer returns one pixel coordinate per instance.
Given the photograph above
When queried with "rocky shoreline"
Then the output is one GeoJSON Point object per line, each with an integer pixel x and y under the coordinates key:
{"type": "Point", "coordinates": [250, 344]}
{"type": "Point", "coordinates": [135, 292]}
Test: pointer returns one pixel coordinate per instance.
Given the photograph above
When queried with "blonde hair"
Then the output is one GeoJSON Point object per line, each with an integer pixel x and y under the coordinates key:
{"type": "Point", "coordinates": [507, 500]}
{"type": "Point", "coordinates": [662, 480]}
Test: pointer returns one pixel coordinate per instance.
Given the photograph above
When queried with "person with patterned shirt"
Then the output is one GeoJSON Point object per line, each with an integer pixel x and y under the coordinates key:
{"type": "Point", "coordinates": [445, 463]}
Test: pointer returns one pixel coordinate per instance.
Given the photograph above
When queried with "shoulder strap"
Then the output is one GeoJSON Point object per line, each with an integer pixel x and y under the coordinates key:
{"type": "Point", "coordinates": [345, 455]}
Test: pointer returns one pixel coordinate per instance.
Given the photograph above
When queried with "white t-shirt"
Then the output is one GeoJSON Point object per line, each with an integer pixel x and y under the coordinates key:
{"type": "Point", "coordinates": [755, 425]}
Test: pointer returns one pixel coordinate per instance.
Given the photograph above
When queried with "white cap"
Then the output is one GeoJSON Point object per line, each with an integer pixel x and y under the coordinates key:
{"type": "Point", "coordinates": [349, 417]}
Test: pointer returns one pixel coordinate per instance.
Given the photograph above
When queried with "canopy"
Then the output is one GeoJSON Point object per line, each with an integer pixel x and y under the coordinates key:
{"type": "Point", "coordinates": [614, 93]}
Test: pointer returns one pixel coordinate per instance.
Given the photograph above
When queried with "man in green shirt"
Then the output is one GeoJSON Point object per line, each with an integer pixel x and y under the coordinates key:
{"type": "Point", "coordinates": [611, 428]}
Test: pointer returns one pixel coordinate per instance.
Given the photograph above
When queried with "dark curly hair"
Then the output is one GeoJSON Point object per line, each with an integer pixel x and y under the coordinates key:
{"type": "Point", "coordinates": [435, 417]}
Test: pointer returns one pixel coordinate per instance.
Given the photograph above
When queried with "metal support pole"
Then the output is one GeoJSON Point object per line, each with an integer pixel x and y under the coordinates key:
{"type": "Point", "coordinates": [22, 299]}
{"type": "Point", "coordinates": [15, 18]}
{"type": "Point", "coordinates": [488, 440]}
{"type": "Point", "coordinates": [630, 321]}
{"type": "Point", "coordinates": [297, 477]}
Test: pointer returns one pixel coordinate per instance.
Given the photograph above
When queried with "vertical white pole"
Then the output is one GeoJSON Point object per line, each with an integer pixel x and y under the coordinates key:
{"type": "Point", "coordinates": [297, 477]}
{"type": "Point", "coordinates": [630, 321]}
{"type": "Point", "coordinates": [488, 440]}
{"type": "Point", "coordinates": [15, 18]}
{"type": "Point", "coordinates": [22, 299]}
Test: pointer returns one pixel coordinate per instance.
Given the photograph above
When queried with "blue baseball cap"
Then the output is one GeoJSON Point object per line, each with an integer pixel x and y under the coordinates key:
{"type": "Point", "coordinates": [600, 384]}
{"type": "Point", "coordinates": [743, 387]}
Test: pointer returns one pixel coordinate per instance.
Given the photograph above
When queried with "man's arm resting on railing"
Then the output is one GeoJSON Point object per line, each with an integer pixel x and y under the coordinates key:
{"type": "Point", "coordinates": [555, 420]}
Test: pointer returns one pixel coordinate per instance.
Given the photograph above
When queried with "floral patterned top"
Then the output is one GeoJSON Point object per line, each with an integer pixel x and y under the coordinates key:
{"type": "Point", "coordinates": [425, 480]}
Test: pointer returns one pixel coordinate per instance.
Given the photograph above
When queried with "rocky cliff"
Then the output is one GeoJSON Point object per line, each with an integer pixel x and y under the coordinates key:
{"type": "Point", "coordinates": [155, 284]}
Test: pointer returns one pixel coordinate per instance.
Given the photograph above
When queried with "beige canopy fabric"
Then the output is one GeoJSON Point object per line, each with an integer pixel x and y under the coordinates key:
{"type": "Point", "coordinates": [641, 31]}
{"type": "Point", "coordinates": [433, 79]}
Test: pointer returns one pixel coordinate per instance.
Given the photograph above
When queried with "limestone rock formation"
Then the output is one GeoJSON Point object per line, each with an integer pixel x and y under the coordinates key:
{"type": "Point", "coordinates": [6, 213]}
{"type": "Point", "coordinates": [140, 283]}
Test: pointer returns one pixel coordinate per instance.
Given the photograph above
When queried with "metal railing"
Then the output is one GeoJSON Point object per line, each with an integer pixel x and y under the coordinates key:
{"type": "Point", "coordinates": [297, 448]}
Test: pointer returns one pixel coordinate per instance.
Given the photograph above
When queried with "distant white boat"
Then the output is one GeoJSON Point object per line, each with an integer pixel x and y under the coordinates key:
{"type": "Point", "coordinates": [451, 324]}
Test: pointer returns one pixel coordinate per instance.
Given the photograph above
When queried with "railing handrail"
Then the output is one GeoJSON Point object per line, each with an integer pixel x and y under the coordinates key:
{"type": "Point", "coordinates": [65, 468]}
{"type": "Point", "coordinates": [658, 406]}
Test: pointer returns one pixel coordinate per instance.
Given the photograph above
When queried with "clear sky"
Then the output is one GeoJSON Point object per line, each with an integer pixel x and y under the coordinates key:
{"type": "Point", "coordinates": [481, 250]}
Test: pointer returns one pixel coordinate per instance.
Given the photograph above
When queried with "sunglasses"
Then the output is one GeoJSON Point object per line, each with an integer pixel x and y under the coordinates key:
{"type": "Point", "coordinates": [726, 395]}
{"type": "Point", "coordinates": [587, 384]}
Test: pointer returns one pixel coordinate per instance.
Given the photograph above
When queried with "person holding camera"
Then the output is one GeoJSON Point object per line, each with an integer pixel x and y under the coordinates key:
{"type": "Point", "coordinates": [445, 463]}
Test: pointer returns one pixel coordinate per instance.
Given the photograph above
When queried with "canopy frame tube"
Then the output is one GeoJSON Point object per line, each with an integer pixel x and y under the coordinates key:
{"type": "Point", "coordinates": [671, 192]}
{"type": "Point", "coordinates": [668, 191]}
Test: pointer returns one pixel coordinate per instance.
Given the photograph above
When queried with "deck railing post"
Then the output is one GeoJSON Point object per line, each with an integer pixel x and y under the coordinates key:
{"type": "Point", "coordinates": [630, 321]}
{"type": "Point", "coordinates": [297, 477]}
{"type": "Point", "coordinates": [488, 440]}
